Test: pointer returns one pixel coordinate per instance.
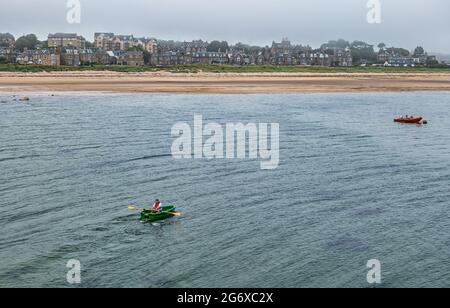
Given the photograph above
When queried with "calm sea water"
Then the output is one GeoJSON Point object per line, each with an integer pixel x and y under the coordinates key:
{"type": "Point", "coordinates": [351, 186]}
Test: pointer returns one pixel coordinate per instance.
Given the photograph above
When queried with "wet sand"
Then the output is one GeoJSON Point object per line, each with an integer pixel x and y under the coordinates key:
{"type": "Point", "coordinates": [164, 82]}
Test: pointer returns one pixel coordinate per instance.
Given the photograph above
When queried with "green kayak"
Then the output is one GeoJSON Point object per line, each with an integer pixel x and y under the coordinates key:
{"type": "Point", "coordinates": [166, 212]}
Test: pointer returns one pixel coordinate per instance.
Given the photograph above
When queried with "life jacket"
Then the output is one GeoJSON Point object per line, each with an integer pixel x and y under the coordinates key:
{"type": "Point", "coordinates": [157, 205]}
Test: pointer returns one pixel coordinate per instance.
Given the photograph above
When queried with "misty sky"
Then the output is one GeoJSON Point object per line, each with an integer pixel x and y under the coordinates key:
{"type": "Point", "coordinates": [405, 23]}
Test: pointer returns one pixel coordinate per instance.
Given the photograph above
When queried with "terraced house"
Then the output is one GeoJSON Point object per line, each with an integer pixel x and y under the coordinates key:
{"type": "Point", "coordinates": [7, 54]}
{"type": "Point", "coordinates": [66, 40]}
{"type": "Point", "coordinates": [70, 57]}
{"type": "Point", "coordinates": [39, 57]}
{"type": "Point", "coordinates": [91, 56]}
{"type": "Point", "coordinates": [342, 57]}
{"type": "Point", "coordinates": [195, 46]}
{"type": "Point", "coordinates": [133, 58]}
{"type": "Point", "coordinates": [209, 58]}
{"type": "Point", "coordinates": [110, 41]}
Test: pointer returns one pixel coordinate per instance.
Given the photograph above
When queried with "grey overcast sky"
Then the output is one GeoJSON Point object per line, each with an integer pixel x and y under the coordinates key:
{"type": "Point", "coordinates": [405, 23]}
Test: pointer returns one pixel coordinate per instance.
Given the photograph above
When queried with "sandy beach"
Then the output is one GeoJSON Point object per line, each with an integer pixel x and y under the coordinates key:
{"type": "Point", "coordinates": [164, 82]}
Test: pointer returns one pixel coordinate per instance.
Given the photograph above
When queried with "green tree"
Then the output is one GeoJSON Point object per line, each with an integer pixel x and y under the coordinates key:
{"type": "Point", "coordinates": [249, 50]}
{"type": "Point", "coordinates": [3, 60]}
{"type": "Point", "coordinates": [402, 52]}
{"type": "Point", "coordinates": [363, 51]}
{"type": "Point", "coordinates": [381, 46]}
{"type": "Point", "coordinates": [360, 45]}
{"type": "Point", "coordinates": [42, 44]}
{"type": "Point", "coordinates": [215, 46]}
{"type": "Point", "coordinates": [29, 41]}
{"type": "Point", "coordinates": [6, 38]}
{"type": "Point", "coordinates": [340, 43]}
{"type": "Point", "coordinates": [329, 52]}
{"type": "Point", "coordinates": [419, 51]}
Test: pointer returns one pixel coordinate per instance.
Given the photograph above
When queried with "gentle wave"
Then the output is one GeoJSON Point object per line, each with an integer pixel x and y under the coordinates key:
{"type": "Point", "coordinates": [351, 185]}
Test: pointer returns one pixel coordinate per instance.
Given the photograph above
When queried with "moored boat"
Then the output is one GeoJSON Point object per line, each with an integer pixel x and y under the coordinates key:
{"type": "Point", "coordinates": [413, 120]}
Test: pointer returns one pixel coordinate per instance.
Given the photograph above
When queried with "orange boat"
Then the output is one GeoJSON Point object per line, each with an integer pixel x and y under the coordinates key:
{"type": "Point", "coordinates": [417, 120]}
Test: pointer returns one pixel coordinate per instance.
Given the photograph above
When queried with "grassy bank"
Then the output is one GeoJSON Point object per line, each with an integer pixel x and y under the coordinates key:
{"type": "Point", "coordinates": [222, 69]}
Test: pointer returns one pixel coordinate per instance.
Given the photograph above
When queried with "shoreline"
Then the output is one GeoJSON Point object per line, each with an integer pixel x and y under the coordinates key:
{"type": "Point", "coordinates": [221, 83]}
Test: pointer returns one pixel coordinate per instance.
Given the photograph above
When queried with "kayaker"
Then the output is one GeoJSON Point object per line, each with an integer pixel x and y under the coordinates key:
{"type": "Point", "coordinates": [156, 206]}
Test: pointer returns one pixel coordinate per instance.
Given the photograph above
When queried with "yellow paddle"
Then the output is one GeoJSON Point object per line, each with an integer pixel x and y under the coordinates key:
{"type": "Point", "coordinates": [133, 208]}
{"type": "Point", "coordinates": [174, 213]}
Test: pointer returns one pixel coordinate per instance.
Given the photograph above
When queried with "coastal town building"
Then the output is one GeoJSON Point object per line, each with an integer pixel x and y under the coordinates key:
{"type": "Point", "coordinates": [77, 57]}
{"type": "Point", "coordinates": [402, 62]}
{"type": "Point", "coordinates": [285, 47]}
{"type": "Point", "coordinates": [72, 49]}
{"type": "Point", "coordinates": [209, 58]}
{"type": "Point", "coordinates": [197, 46]}
{"type": "Point", "coordinates": [166, 58]}
{"type": "Point", "coordinates": [88, 56]}
{"type": "Point", "coordinates": [66, 40]}
{"type": "Point", "coordinates": [168, 53]}
{"type": "Point", "coordinates": [110, 41]}
{"type": "Point", "coordinates": [131, 58]}
{"type": "Point", "coordinates": [423, 58]}
{"type": "Point", "coordinates": [123, 42]}
{"type": "Point", "coordinates": [320, 58]}
{"type": "Point", "coordinates": [94, 56]}
{"type": "Point", "coordinates": [393, 57]}
{"type": "Point", "coordinates": [342, 57]}
{"type": "Point", "coordinates": [150, 45]}
{"type": "Point", "coordinates": [7, 54]}
{"type": "Point", "coordinates": [91, 56]}
{"type": "Point", "coordinates": [70, 57]}
{"type": "Point", "coordinates": [104, 40]}
{"type": "Point", "coordinates": [383, 56]}
{"type": "Point", "coordinates": [39, 57]}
